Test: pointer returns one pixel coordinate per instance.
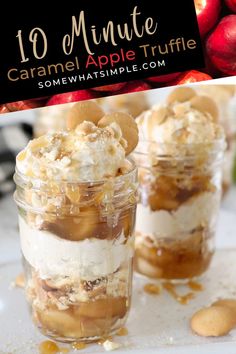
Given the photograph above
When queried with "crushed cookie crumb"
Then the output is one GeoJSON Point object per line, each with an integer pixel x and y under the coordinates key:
{"type": "Point", "coordinates": [109, 345]}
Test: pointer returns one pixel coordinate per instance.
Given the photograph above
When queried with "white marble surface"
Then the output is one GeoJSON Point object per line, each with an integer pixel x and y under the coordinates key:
{"type": "Point", "coordinates": [157, 324]}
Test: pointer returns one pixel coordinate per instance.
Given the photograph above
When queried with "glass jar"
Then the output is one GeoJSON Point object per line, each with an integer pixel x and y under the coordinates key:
{"type": "Point", "coordinates": [224, 97]}
{"type": "Point", "coordinates": [180, 195]}
{"type": "Point", "coordinates": [77, 243]}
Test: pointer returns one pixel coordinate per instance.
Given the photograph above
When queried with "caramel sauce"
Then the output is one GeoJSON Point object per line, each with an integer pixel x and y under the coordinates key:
{"type": "Point", "coordinates": [103, 339]}
{"type": "Point", "coordinates": [195, 285]}
{"type": "Point", "coordinates": [182, 299]}
{"type": "Point", "coordinates": [79, 346]}
{"type": "Point", "coordinates": [48, 347]}
{"type": "Point", "coordinates": [152, 289]}
{"type": "Point", "coordinates": [122, 332]}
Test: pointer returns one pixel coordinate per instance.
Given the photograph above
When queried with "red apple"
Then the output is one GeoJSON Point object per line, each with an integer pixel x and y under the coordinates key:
{"type": "Point", "coordinates": [208, 12]}
{"type": "Point", "coordinates": [190, 77]}
{"type": "Point", "coordinates": [25, 104]}
{"type": "Point", "coordinates": [74, 96]}
{"type": "Point", "coordinates": [210, 68]}
{"type": "Point", "coordinates": [110, 88]}
{"type": "Point", "coordinates": [163, 78]}
{"type": "Point", "coordinates": [231, 5]}
{"type": "Point", "coordinates": [3, 109]}
{"type": "Point", "coordinates": [221, 45]}
{"type": "Point", "coordinates": [135, 86]}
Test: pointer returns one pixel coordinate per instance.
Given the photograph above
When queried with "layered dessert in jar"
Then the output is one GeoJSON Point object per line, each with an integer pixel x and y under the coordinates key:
{"type": "Point", "coordinates": [225, 99]}
{"type": "Point", "coordinates": [179, 157]}
{"type": "Point", "coordinates": [76, 195]}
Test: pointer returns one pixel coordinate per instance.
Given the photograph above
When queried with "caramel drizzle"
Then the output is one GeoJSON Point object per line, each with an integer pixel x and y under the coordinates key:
{"type": "Point", "coordinates": [182, 299]}
{"type": "Point", "coordinates": [152, 289]}
{"type": "Point", "coordinates": [194, 285]}
{"type": "Point", "coordinates": [123, 331]}
{"type": "Point", "coordinates": [49, 347]}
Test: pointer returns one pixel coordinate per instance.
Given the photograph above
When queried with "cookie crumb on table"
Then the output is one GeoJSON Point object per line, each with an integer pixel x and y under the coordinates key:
{"type": "Point", "coordinates": [109, 345]}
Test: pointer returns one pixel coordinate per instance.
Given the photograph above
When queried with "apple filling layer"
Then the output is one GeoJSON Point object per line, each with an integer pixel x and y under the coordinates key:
{"type": "Point", "coordinates": [175, 225]}
{"type": "Point", "coordinates": [175, 259]}
{"type": "Point", "coordinates": [79, 309]}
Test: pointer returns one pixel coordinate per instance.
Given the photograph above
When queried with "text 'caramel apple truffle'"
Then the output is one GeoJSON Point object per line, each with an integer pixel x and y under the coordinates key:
{"type": "Point", "coordinates": [92, 112]}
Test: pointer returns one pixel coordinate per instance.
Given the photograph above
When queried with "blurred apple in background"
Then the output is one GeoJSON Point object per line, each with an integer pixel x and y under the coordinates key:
{"type": "Point", "coordinates": [135, 86]}
{"type": "Point", "coordinates": [110, 88]}
{"type": "Point", "coordinates": [210, 68]}
{"type": "Point", "coordinates": [221, 45]}
{"type": "Point", "coordinates": [3, 109]}
{"type": "Point", "coordinates": [25, 104]}
{"type": "Point", "coordinates": [231, 5]}
{"type": "Point", "coordinates": [190, 77]}
{"type": "Point", "coordinates": [163, 78]}
{"type": "Point", "coordinates": [74, 96]}
{"type": "Point", "coordinates": [208, 12]}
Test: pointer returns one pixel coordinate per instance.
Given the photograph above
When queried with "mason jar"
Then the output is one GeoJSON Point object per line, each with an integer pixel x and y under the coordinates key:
{"type": "Point", "coordinates": [77, 244]}
{"type": "Point", "coordinates": [180, 194]}
{"type": "Point", "coordinates": [225, 98]}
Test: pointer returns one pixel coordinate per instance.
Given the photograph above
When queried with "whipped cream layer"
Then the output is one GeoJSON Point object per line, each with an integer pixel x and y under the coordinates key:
{"type": "Point", "coordinates": [200, 211]}
{"type": "Point", "coordinates": [55, 257]}
{"type": "Point", "coordinates": [178, 125]}
{"type": "Point", "coordinates": [86, 154]}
